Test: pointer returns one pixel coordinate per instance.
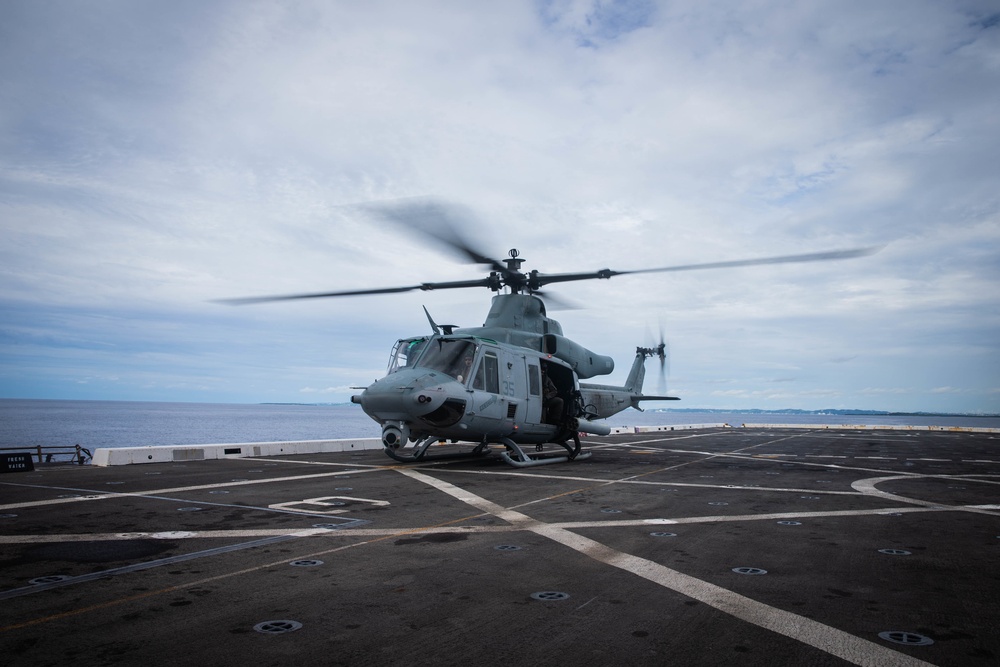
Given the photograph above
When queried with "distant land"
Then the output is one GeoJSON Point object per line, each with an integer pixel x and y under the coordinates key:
{"type": "Point", "coordinates": [759, 411]}
{"type": "Point", "coordinates": [830, 411]}
{"type": "Point", "coordinates": [318, 405]}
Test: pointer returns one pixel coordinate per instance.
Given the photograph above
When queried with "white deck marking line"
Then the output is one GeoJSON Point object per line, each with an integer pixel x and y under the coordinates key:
{"type": "Point", "coordinates": [630, 480]}
{"type": "Point", "coordinates": [967, 477]}
{"type": "Point", "coordinates": [347, 531]}
{"type": "Point", "coordinates": [813, 633]}
{"type": "Point", "coordinates": [723, 518]}
{"type": "Point", "coordinates": [229, 534]}
{"type": "Point", "coordinates": [838, 466]}
{"type": "Point", "coordinates": [155, 492]}
{"type": "Point", "coordinates": [732, 487]}
{"type": "Point", "coordinates": [868, 487]}
{"type": "Point", "coordinates": [600, 445]}
{"type": "Point", "coordinates": [274, 461]}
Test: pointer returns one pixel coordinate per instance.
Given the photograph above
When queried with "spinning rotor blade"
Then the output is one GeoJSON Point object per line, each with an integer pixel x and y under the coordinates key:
{"type": "Point", "coordinates": [662, 351]}
{"type": "Point", "coordinates": [784, 259]}
{"type": "Point", "coordinates": [553, 302]}
{"type": "Point", "coordinates": [380, 290]}
{"type": "Point", "coordinates": [664, 354]}
{"type": "Point", "coordinates": [444, 222]}
{"type": "Point", "coordinates": [438, 220]}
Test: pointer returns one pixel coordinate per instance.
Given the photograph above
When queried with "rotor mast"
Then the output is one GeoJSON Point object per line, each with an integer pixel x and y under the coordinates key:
{"type": "Point", "coordinates": [511, 277]}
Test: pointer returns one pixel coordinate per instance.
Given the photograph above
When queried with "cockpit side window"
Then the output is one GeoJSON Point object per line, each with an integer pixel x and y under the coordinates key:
{"type": "Point", "coordinates": [450, 356]}
{"type": "Point", "coordinates": [405, 353]}
{"type": "Point", "coordinates": [488, 374]}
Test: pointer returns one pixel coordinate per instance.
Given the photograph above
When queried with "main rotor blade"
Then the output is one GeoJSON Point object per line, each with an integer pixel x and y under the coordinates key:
{"type": "Point", "coordinates": [437, 219]}
{"type": "Point", "coordinates": [380, 290]}
{"type": "Point", "coordinates": [784, 259]}
{"type": "Point", "coordinates": [554, 302]}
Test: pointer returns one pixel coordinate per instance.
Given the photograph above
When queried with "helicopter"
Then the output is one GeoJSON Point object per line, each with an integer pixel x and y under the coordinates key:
{"type": "Point", "coordinates": [515, 381]}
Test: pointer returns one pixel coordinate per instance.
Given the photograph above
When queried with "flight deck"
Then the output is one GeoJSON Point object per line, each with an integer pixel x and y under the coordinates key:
{"type": "Point", "coordinates": [712, 546]}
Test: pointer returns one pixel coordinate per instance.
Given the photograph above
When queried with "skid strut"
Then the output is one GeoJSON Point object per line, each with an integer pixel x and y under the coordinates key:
{"type": "Point", "coordinates": [517, 457]}
{"type": "Point", "coordinates": [420, 452]}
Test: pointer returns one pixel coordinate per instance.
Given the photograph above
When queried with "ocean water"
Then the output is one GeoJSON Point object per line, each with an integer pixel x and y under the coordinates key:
{"type": "Point", "coordinates": [93, 424]}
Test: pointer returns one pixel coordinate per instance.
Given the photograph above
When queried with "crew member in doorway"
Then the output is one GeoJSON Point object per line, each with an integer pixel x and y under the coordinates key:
{"type": "Point", "coordinates": [553, 401]}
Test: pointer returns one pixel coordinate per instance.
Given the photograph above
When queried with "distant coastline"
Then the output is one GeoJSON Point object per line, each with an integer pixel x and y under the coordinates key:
{"type": "Point", "coordinates": [843, 412]}
{"type": "Point", "coordinates": [93, 424]}
{"type": "Point", "coordinates": [831, 411]}
{"type": "Point", "coordinates": [757, 411]}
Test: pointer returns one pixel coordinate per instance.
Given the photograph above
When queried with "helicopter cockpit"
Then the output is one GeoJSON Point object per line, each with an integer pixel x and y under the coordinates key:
{"type": "Point", "coordinates": [451, 356]}
{"type": "Point", "coordinates": [405, 352]}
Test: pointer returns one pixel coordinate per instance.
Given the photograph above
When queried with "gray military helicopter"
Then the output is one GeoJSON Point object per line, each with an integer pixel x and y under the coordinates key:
{"type": "Point", "coordinates": [514, 381]}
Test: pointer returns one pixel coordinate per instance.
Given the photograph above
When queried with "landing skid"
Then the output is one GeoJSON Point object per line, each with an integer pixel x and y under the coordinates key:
{"type": "Point", "coordinates": [517, 457]}
{"type": "Point", "coordinates": [514, 455]}
{"type": "Point", "coordinates": [420, 452]}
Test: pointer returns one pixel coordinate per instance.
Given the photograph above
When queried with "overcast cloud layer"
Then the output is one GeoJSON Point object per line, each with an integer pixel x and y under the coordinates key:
{"type": "Point", "coordinates": [155, 156]}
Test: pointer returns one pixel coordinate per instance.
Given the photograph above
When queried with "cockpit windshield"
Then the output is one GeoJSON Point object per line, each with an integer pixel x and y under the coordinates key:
{"type": "Point", "coordinates": [450, 356]}
{"type": "Point", "coordinates": [405, 353]}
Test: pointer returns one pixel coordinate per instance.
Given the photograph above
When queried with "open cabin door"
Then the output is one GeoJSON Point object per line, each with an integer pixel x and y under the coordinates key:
{"type": "Point", "coordinates": [558, 385]}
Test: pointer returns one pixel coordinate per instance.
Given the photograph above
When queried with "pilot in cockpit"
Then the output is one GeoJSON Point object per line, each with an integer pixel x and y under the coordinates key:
{"type": "Point", "coordinates": [465, 366]}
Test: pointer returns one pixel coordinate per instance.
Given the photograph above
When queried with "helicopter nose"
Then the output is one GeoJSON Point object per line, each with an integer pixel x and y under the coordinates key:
{"type": "Point", "coordinates": [402, 396]}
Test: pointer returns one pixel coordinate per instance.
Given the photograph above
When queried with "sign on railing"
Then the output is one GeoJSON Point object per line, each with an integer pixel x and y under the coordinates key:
{"type": "Point", "coordinates": [16, 462]}
{"type": "Point", "coordinates": [48, 454]}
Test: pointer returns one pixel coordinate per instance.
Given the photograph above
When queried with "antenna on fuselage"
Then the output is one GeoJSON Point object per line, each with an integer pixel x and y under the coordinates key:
{"type": "Point", "coordinates": [448, 328]}
{"type": "Point", "coordinates": [434, 326]}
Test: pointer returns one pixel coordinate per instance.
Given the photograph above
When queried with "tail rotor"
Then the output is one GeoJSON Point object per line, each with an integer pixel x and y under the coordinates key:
{"type": "Point", "coordinates": [662, 352]}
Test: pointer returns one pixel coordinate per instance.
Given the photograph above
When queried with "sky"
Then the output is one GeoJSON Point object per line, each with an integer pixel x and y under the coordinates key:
{"type": "Point", "coordinates": [156, 157]}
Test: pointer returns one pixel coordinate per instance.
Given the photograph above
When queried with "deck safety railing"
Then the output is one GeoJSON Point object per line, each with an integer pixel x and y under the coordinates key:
{"type": "Point", "coordinates": [48, 453]}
